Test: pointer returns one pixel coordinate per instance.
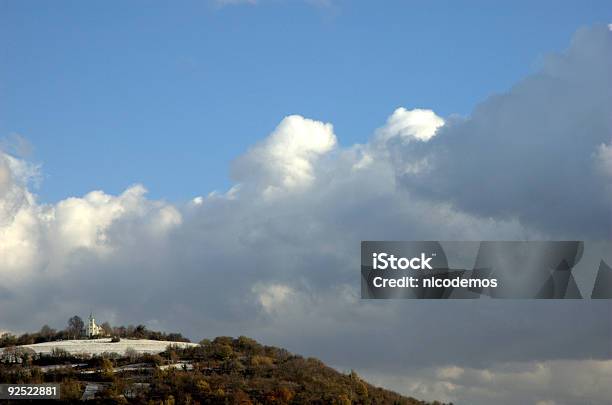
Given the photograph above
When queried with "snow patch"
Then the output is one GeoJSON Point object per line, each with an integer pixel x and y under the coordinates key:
{"type": "Point", "coordinates": [99, 346]}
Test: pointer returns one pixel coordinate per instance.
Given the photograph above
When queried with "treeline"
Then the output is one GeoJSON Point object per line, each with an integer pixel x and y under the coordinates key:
{"type": "Point", "coordinates": [222, 371]}
{"type": "Point", "coordinates": [242, 371]}
{"type": "Point", "coordinates": [75, 330]}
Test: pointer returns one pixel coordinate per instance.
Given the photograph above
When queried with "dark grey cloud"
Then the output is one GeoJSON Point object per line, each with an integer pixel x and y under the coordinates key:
{"type": "Point", "coordinates": [533, 152]}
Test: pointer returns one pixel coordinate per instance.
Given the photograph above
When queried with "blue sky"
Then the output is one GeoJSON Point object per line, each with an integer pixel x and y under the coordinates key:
{"type": "Point", "coordinates": [167, 94]}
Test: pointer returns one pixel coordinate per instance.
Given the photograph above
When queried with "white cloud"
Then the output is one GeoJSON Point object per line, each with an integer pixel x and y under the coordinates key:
{"type": "Point", "coordinates": [199, 200]}
{"type": "Point", "coordinates": [39, 239]}
{"type": "Point", "coordinates": [604, 159]}
{"type": "Point", "coordinates": [416, 124]}
{"type": "Point", "coordinates": [285, 159]}
{"type": "Point", "coordinates": [272, 297]}
{"type": "Point", "coordinates": [5, 176]}
{"type": "Point", "coordinates": [19, 227]}
{"type": "Point", "coordinates": [450, 372]}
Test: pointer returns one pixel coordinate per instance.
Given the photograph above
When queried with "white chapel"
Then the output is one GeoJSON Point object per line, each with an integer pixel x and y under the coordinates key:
{"type": "Point", "coordinates": [92, 329]}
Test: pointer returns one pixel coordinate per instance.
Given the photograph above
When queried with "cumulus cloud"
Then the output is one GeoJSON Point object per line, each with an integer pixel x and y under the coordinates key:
{"type": "Point", "coordinates": [272, 297]}
{"type": "Point", "coordinates": [18, 218]}
{"type": "Point", "coordinates": [276, 256]}
{"type": "Point", "coordinates": [416, 124]}
{"type": "Point", "coordinates": [40, 240]}
{"type": "Point", "coordinates": [285, 159]}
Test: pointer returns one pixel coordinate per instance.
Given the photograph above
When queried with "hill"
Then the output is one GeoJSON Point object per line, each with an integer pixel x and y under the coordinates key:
{"type": "Point", "coordinates": [222, 371]}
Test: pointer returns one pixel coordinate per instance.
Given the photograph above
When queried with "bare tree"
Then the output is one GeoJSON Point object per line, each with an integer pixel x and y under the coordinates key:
{"type": "Point", "coordinates": [107, 329]}
{"type": "Point", "coordinates": [47, 332]}
{"type": "Point", "coordinates": [75, 326]}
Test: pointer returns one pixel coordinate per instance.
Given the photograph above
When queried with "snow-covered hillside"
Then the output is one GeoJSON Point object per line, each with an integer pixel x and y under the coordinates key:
{"type": "Point", "coordinates": [99, 346]}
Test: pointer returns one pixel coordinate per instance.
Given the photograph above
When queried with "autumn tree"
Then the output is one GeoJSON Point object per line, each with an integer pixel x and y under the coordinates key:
{"type": "Point", "coordinates": [107, 368]}
{"type": "Point", "coordinates": [71, 389]}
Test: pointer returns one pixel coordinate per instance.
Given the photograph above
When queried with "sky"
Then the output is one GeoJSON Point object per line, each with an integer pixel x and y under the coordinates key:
{"type": "Point", "coordinates": [124, 88]}
{"type": "Point", "coordinates": [211, 168]}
